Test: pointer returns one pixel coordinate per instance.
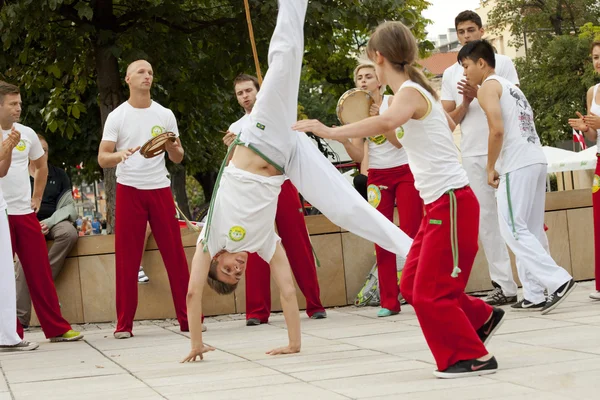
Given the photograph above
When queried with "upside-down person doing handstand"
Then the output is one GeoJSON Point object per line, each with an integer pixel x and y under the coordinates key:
{"type": "Point", "coordinates": [242, 213]}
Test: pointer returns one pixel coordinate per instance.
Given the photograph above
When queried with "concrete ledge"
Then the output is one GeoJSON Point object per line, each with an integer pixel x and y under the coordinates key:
{"type": "Point", "coordinates": [86, 287]}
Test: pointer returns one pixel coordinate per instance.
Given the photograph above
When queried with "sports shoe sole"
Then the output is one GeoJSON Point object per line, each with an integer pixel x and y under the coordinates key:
{"type": "Point", "coordinates": [546, 311]}
{"type": "Point", "coordinates": [446, 375]}
{"type": "Point", "coordinates": [14, 349]}
{"type": "Point", "coordinates": [62, 339]}
{"type": "Point", "coordinates": [122, 335]}
{"type": "Point", "coordinates": [530, 309]}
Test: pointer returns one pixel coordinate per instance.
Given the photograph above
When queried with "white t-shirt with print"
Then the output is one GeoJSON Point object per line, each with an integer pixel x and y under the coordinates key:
{"type": "Point", "coordinates": [16, 187]}
{"type": "Point", "coordinates": [242, 217]}
{"type": "Point", "coordinates": [474, 126]}
{"type": "Point", "coordinates": [131, 127]}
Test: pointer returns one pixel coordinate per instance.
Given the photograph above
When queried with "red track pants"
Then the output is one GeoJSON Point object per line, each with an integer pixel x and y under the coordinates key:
{"type": "Point", "coordinates": [134, 209]}
{"type": "Point", "coordinates": [386, 188]}
{"type": "Point", "coordinates": [29, 244]}
{"type": "Point", "coordinates": [449, 318]}
{"type": "Point", "coordinates": [596, 208]}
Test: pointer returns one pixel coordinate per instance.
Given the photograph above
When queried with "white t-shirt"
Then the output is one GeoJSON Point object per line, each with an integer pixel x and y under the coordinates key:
{"type": "Point", "coordinates": [15, 185]}
{"type": "Point", "coordinates": [237, 126]}
{"type": "Point", "coordinates": [432, 155]}
{"type": "Point", "coordinates": [521, 146]}
{"type": "Point", "coordinates": [474, 126]}
{"type": "Point", "coordinates": [243, 214]}
{"type": "Point", "coordinates": [131, 127]}
{"type": "Point", "coordinates": [383, 154]}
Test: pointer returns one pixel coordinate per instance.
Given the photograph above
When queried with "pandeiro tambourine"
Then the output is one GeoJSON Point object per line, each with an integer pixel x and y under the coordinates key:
{"type": "Point", "coordinates": [156, 145]}
{"type": "Point", "coordinates": [354, 106]}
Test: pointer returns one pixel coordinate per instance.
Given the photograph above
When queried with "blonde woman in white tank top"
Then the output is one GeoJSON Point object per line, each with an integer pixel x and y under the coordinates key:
{"type": "Point", "coordinates": [456, 326]}
{"type": "Point", "coordinates": [389, 181]}
{"type": "Point", "coordinates": [590, 126]}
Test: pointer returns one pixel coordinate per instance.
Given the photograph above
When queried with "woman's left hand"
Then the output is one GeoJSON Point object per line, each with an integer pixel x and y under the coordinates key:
{"type": "Point", "coordinates": [314, 126]}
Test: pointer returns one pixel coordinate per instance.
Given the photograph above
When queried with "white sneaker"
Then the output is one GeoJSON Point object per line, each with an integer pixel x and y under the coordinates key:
{"type": "Point", "coordinates": [122, 335]}
{"type": "Point", "coordinates": [142, 277]}
{"type": "Point", "coordinates": [595, 295]}
{"type": "Point", "coordinates": [22, 346]}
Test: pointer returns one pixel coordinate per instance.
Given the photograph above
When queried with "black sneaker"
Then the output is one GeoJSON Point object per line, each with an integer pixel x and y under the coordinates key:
{"type": "Point", "coordinates": [526, 305]}
{"type": "Point", "coordinates": [554, 299]}
{"type": "Point", "coordinates": [497, 297]}
{"type": "Point", "coordinates": [463, 369]}
{"type": "Point", "coordinates": [489, 328]}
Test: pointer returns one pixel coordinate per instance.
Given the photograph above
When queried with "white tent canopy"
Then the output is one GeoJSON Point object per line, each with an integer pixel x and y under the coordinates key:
{"type": "Point", "coordinates": [583, 160]}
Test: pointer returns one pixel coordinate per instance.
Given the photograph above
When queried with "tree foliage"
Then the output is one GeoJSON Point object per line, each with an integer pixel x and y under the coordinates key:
{"type": "Point", "coordinates": [555, 80]}
{"type": "Point", "coordinates": [69, 57]}
{"type": "Point", "coordinates": [541, 20]}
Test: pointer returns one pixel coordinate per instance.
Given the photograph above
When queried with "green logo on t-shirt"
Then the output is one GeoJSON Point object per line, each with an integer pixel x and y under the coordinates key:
{"type": "Point", "coordinates": [237, 233]}
{"type": "Point", "coordinates": [378, 140]}
{"type": "Point", "coordinates": [157, 130]}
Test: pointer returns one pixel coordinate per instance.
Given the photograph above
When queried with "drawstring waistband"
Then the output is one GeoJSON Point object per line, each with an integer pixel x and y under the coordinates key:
{"type": "Point", "coordinates": [454, 233]}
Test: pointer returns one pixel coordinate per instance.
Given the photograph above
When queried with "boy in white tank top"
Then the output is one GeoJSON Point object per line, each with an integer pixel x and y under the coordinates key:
{"type": "Point", "coordinates": [517, 168]}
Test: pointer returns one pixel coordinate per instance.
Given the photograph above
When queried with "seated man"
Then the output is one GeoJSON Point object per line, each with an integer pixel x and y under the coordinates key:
{"type": "Point", "coordinates": [242, 212]}
{"type": "Point", "coordinates": [57, 214]}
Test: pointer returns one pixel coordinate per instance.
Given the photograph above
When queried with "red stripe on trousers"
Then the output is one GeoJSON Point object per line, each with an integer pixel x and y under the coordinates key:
{"type": "Point", "coordinates": [134, 208]}
{"type": "Point", "coordinates": [400, 190]}
{"type": "Point", "coordinates": [294, 238]}
{"type": "Point", "coordinates": [596, 209]}
{"type": "Point", "coordinates": [448, 317]}
{"type": "Point", "coordinates": [30, 245]}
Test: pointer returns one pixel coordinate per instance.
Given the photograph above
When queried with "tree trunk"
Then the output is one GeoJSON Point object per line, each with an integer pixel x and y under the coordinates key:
{"type": "Point", "coordinates": [178, 186]}
{"type": "Point", "coordinates": [109, 90]}
{"type": "Point", "coordinates": [207, 180]}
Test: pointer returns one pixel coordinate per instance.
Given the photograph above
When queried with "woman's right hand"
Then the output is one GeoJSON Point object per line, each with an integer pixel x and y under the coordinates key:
{"type": "Point", "coordinates": [577, 123]}
{"type": "Point", "coordinates": [198, 352]}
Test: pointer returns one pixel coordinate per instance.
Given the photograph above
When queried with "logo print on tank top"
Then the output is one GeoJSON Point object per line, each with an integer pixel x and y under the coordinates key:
{"type": "Point", "coordinates": [596, 184]}
{"type": "Point", "coordinates": [400, 132]}
{"type": "Point", "coordinates": [378, 140]}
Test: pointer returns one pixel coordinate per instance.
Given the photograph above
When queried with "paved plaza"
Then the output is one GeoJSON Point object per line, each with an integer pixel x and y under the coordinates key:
{"type": "Point", "coordinates": [351, 355]}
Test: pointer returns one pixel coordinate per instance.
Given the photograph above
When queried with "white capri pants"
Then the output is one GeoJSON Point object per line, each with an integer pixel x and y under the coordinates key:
{"type": "Point", "coordinates": [8, 291]}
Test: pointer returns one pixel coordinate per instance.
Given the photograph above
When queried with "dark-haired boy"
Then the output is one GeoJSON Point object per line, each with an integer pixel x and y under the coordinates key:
{"type": "Point", "coordinates": [516, 167]}
{"type": "Point", "coordinates": [243, 208]}
{"type": "Point", "coordinates": [460, 101]}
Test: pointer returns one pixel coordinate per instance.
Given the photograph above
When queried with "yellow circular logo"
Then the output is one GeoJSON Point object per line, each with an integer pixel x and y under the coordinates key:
{"type": "Point", "coordinates": [373, 195]}
{"type": "Point", "coordinates": [596, 184]}
{"type": "Point", "coordinates": [21, 146]}
{"type": "Point", "coordinates": [156, 130]}
{"type": "Point", "coordinates": [400, 132]}
{"type": "Point", "coordinates": [237, 233]}
{"type": "Point", "coordinates": [378, 140]}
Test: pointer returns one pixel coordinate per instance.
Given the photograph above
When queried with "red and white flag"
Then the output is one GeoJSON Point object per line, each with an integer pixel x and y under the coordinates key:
{"type": "Point", "coordinates": [578, 138]}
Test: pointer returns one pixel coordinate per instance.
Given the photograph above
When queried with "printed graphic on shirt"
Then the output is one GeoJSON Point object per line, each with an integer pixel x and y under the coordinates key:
{"type": "Point", "coordinates": [525, 117]}
{"type": "Point", "coordinates": [374, 195]}
{"type": "Point", "coordinates": [400, 132]}
{"type": "Point", "coordinates": [21, 146]}
{"type": "Point", "coordinates": [157, 130]}
{"type": "Point", "coordinates": [596, 184]}
{"type": "Point", "coordinates": [237, 233]}
{"type": "Point", "coordinates": [378, 140]}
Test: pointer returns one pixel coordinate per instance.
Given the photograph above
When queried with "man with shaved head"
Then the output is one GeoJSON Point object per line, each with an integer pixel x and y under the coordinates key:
{"type": "Point", "coordinates": [143, 195]}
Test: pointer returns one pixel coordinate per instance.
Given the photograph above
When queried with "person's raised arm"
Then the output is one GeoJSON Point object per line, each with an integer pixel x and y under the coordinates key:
{"type": "Point", "coordinates": [402, 109]}
{"type": "Point", "coordinates": [489, 99]}
{"type": "Point", "coordinates": [6, 147]}
{"type": "Point", "coordinates": [198, 277]}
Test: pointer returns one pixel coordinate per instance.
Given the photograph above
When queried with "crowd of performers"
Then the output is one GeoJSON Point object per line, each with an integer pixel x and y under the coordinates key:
{"type": "Point", "coordinates": [255, 223]}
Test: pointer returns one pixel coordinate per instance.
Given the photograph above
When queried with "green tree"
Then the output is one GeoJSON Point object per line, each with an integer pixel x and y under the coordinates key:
{"type": "Point", "coordinates": [69, 57]}
{"type": "Point", "coordinates": [555, 80]}
{"type": "Point", "coordinates": [541, 20]}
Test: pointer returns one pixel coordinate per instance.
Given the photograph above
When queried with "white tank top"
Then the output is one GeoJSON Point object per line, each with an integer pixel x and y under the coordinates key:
{"type": "Point", "coordinates": [431, 152]}
{"type": "Point", "coordinates": [521, 146]}
{"type": "Point", "coordinates": [595, 109]}
{"type": "Point", "coordinates": [382, 153]}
